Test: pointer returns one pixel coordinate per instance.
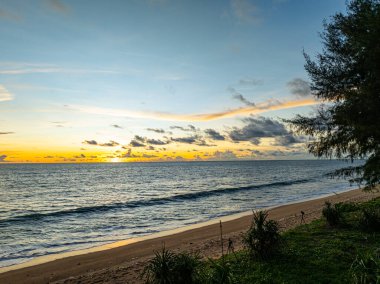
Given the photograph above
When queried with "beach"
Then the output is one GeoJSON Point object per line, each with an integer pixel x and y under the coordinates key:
{"type": "Point", "coordinates": [123, 262]}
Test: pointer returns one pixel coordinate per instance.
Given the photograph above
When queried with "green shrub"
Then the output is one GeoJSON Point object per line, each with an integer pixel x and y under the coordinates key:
{"type": "Point", "coordinates": [187, 268]}
{"type": "Point", "coordinates": [167, 267]}
{"type": "Point", "coordinates": [370, 219]}
{"type": "Point", "coordinates": [332, 214]}
{"type": "Point", "coordinates": [219, 272]}
{"type": "Point", "coordinates": [347, 207]}
{"type": "Point", "coordinates": [263, 238]}
{"type": "Point", "coordinates": [366, 269]}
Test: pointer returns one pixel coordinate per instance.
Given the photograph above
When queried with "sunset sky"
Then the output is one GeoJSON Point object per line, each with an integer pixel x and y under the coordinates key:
{"type": "Point", "coordinates": [155, 80]}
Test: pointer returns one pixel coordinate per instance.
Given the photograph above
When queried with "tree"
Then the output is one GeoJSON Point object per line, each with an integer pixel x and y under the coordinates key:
{"type": "Point", "coordinates": [345, 76]}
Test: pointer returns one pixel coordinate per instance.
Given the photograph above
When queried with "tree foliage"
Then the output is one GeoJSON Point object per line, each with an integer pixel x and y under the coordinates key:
{"type": "Point", "coordinates": [345, 76]}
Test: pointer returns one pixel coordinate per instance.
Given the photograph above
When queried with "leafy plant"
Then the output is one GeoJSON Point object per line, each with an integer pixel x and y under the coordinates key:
{"type": "Point", "coordinates": [332, 214]}
{"type": "Point", "coordinates": [220, 272]}
{"type": "Point", "coordinates": [263, 238]}
{"type": "Point", "coordinates": [167, 267]}
{"type": "Point", "coordinates": [347, 207]}
{"type": "Point", "coordinates": [158, 270]}
{"type": "Point", "coordinates": [366, 269]}
{"type": "Point", "coordinates": [187, 268]}
{"type": "Point", "coordinates": [370, 219]}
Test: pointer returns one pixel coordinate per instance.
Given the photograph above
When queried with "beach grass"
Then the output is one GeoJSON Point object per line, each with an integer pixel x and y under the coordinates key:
{"type": "Point", "coordinates": [311, 253]}
{"type": "Point", "coordinates": [319, 253]}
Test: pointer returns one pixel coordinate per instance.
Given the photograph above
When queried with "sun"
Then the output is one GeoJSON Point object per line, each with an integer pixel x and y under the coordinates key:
{"type": "Point", "coordinates": [115, 160]}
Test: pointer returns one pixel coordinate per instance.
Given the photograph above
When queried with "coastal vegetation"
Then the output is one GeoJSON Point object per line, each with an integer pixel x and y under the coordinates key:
{"type": "Point", "coordinates": [310, 253]}
{"type": "Point", "coordinates": [345, 78]}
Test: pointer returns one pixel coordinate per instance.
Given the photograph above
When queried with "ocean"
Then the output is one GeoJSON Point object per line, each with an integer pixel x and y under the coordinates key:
{"type": "Point", "coordinates": [55, 208]}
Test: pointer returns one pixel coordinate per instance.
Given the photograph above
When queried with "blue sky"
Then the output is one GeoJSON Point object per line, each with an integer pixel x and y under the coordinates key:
{"type": "Point", "coordinates": [72, 70]}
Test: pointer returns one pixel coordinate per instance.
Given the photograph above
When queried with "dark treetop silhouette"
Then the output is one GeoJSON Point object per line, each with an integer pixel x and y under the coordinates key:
{"type": "Point", "coordinates": [345, 76]}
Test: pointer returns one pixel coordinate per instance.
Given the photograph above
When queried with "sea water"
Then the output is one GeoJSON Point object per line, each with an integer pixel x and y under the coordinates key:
{"type": "Point", "coordinates": [54, 208]}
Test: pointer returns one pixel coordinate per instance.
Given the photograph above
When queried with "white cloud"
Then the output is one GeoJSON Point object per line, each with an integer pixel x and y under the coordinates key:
{"type": "Point", "coordinates": [5, 95]}
{"type": "Point", "coordinates": [18, 68]}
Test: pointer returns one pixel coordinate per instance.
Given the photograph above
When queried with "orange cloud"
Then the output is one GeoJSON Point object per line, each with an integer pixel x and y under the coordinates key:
{"type": "Point", "coordinates": [269, 105]}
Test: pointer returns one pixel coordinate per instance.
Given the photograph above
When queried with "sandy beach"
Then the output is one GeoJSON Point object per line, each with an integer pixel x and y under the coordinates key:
{"type": "Point", "coordinates": [122, 262]}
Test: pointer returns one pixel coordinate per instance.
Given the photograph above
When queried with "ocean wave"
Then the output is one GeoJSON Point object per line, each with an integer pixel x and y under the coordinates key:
{"type": "Point", "coordinates": [144, 203]}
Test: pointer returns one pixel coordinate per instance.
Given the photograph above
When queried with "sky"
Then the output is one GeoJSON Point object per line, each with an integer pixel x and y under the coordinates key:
{"type": "Point", "coordinates": [156, 80]}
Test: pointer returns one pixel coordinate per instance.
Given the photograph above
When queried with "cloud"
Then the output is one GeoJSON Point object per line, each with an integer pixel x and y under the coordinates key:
{"type": "Point", "coordinates": [90, 142]}
{"type": "Point", "coordinates": [186, 140]}
{"type": "Point", "coordinates": [148, 156]}
{"type": "Point", "coordinates": [269, 105]}
{"type": "Point", "coordinates": [111, 143]}
{"type": "Point", "coordinates": [2, 158]}
{"type": "Point", "coordinates": [58, 6]}
{"type": "Point", "coordinates": [255, 141]}
{"type": "Point", "coordinates": [116, 126]}
{"type": "Point", "coordinates": [157, 130]}
{"type": "Point", "coordinates": [139, 141]}
{"type": "Point", "coordinates": [299, 87]}
{"type": "Point", "coordinates": [257, 128]}
{"type": "Point", "coordinates": [236, 95]}
{"type": "Point", "coordinates": [5, 133]}
{"type": "Point", "coordinates": [156, 142]}
{"type": "Point", "coordinates": [250, 82]}
{"type": "Point", "coordinates": [81, 156]}
{"type": "Point", "coordinates": [5, 95]}
{"type": "Point", "coordinates": [8, 15]}
{"type": "Point", "coordinates": [127, 154]}
{"type": "Point", "coordinates": [59, 123]}
{"type": "Point", "coordinates": [18, 68]}
{"type": "Point", "coordinates": [287, 140]}
{"type": "Point", "coordinates": [245, 11]}
{"type": "Point", "coordinates": [136, 143]}
{"type": "Point", "coordinates": [189, 128]}
{"type": "Point", "coordinates": [195, 139]}
{"type": "Point", "coordinates": [226, 155]}
{"type": "Point", "coordinates": [213, 134]}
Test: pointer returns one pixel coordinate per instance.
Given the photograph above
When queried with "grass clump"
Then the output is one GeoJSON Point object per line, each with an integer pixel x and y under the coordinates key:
{"type": "Point", "coordinates": [370, 219]}
{"type": "Point", "coordinates": [332, 214]}
{"type": "Point", "coordinates": [219, 272]}
{"type": "Point", "coordinates": [167, 267]}
{"type": "Point", "coordinates": [366, 269]}
{"type": "Point", "coordinates": [314, 253]}
{"type": "Point", "coordinates": [263, 239]}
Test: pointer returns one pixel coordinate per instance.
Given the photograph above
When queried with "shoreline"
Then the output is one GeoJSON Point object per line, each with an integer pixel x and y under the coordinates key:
{"type": "Point", "coordinates": [130, 254]}
{"type": "Point", "coordinates": [226, 218]}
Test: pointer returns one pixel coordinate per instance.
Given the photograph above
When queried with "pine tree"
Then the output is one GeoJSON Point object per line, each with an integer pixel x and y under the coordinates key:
{"type": "Point", "coordinates": [345, 76]}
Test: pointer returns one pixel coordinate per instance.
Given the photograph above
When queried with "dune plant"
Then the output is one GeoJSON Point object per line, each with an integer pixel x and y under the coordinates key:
{"type": "Point", "coordinates": [370, 219]}
{"type": "Point", "coordinates": [159, 268]}
{"type": "Point", "coordinates": [167, 267]}
{"type": "Point", "coordinates": [262, 239]}
{"type": "Point", "coordinates": [366, 269]}
{"type": "Point", "coordinates": [219, 272]}
{"type": "Point", "coordinates": [332, 214]}
{"type": "Point", "coordinates": [187, 268]}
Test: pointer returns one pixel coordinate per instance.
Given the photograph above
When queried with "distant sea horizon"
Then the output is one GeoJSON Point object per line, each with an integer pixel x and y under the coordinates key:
{"type": "Point", "coordinates": [181, 161]}
{"type": "Point", "coordinates": [48, 208]}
